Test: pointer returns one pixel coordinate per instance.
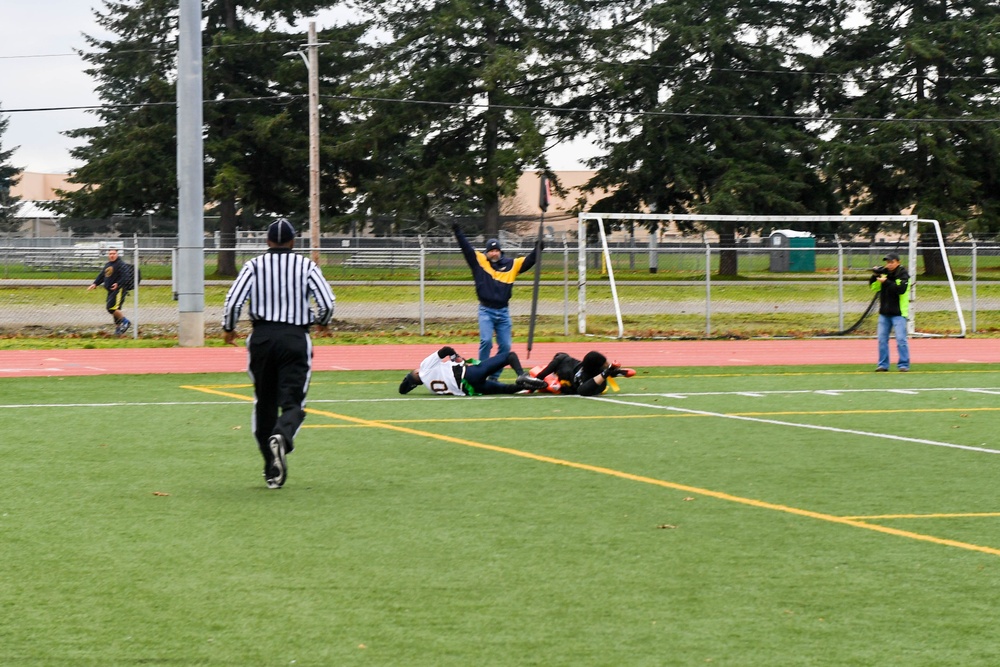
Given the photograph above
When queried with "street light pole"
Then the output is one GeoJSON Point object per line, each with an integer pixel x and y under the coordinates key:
{"type": "Point", "coordinates": [311, 59]}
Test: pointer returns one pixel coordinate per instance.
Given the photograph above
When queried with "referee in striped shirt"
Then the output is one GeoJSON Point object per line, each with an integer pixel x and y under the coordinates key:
{"type": "Point", "coordinates": [279, 285]}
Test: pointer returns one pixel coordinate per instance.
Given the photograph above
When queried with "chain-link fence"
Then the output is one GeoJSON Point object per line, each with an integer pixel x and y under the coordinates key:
{"type": "Point", "coordinates": [423, 287]}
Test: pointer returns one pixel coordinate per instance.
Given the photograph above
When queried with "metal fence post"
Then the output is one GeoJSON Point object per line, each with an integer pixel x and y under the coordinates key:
{"type": "Point", "coordinates": [974, 257]}
{"type": "Point", "coordinates": [565, 285]}
{"type": "Point", "coordinates": [135, 286]}
{"type": "Point", "coordinates": [708, 291]}
{"type": "Point", "coordinates": [840, 285]}
{"type": "Point", "coordinates": [423, 275]}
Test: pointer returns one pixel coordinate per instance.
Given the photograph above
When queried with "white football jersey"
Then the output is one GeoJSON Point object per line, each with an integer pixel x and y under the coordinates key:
{"type": "Point", "coordinates": [438, 375]}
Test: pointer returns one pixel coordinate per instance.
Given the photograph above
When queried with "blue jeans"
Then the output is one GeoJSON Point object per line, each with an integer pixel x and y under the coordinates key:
{"type": "Point", "coordinates": [494, 320]}
{"type": "Point", "coordinates": [480, 376]}
{"type": "Point", "coordinates": [896, 323]}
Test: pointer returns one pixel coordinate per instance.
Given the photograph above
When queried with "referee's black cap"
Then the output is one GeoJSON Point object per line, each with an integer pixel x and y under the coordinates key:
{"type": "Point", "coordinates": [280, 231]}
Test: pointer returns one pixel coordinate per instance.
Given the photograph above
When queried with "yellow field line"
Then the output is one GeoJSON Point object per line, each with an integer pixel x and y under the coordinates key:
{"type": "Point", "coordinates": [924, 516]}
{"type": "Point", "coordinates": [805, 374]}
{"type": "Point", "coordinates": [846, 521]}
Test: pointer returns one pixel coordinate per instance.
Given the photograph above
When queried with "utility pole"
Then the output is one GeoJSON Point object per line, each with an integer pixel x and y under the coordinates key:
{"type": "Point", "coordinates": [313, 67]}
{"type": "Point", "coordinates": [311, 58]}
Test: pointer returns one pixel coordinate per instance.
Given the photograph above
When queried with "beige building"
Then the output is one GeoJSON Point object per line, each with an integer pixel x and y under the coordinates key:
{"type": "Point", "coordinates": [558, 216]}
{"type": "Point", "coordinates": [33, 188]}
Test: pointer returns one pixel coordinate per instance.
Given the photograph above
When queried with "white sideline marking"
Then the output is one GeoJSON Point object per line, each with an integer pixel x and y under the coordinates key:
{"type": "Point", "coordinates": [822, 392]}
{"type": "Point", "coordinates": [114, 405]}
{"type": "Point", "coordinates": [884, 436]}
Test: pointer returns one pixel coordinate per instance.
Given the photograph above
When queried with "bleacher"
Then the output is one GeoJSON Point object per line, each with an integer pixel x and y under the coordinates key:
{"type": "Point", "coordinates": [383, 259]}
{"type": "Point", "coordinates": [80, 257]}
{"type": "Point", "coordinates": [62, 260]}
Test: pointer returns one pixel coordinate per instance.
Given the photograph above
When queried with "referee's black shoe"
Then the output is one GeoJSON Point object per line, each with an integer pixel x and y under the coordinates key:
{"type": "Point", "coordinates": [279, 467]}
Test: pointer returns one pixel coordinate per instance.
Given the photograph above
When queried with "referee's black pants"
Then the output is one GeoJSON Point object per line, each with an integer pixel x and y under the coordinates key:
{"type": "Point", "coordinates": [280, 367]}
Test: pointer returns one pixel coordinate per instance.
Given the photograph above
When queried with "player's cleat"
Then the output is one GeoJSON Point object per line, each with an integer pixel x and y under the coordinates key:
{"type": "Point", "coordinates": [280, 465]}
{"type": "Point", "coordinates": [408, 384]}
{"type": "Point", "coordinates": [123, 326]}
{"type": "Point", "coordinates": [615, 370]}
{"type": "Point", "coordinates": [525, 381]}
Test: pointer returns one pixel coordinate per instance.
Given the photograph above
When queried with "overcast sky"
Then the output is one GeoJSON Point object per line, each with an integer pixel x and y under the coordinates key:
{"type": "Point", "coordinates": [39, 70]}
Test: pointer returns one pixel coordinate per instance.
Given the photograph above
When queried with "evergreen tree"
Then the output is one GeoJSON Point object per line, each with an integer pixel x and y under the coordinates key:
{"type": "Point", "coordinates": [922, 76]}
{"type": "Point", "coordinates": [128, 160]}
{"type": "Point", "coordinates": [9, 204]}
{"type": "Point", "coordinates": [711, 99]}
{"type": "Point", "coordinates": [256, 138]}
{"type": "Point", "coordinates": [470, 78]}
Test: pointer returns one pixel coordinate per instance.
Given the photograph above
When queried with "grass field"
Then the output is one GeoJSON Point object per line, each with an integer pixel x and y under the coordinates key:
{"type": "Point", "coordinates": [700, 516]}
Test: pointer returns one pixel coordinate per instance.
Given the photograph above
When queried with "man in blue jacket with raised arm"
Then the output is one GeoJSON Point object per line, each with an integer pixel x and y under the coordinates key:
{"type": "Point", "coordinates": [494, 275]}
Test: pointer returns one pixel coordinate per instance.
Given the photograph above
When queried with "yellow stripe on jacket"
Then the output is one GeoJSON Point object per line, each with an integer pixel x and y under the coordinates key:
{"type": "Point", "coordinates": [500, 276]}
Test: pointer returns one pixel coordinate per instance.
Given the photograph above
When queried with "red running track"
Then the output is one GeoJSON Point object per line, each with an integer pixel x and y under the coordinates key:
{"type": "Point", "coordinates": [637, 354]}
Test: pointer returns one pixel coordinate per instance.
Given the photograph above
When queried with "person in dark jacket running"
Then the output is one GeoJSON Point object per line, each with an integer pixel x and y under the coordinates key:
{"type": "Point", "coordinates": [117, 277]}
{"type": "Point", "coordinates": [494, 276]}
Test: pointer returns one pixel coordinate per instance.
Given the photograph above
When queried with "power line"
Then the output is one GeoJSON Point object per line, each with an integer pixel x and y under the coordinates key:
{"type": "Point", "coordinates": [637, 63]}
{"type": "Point", "coordinates": [828, 118]}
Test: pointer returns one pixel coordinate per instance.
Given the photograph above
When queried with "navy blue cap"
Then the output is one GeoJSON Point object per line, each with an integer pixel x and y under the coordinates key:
{"type": "Point", "coordinates": [280, 231]}
{"type": "Point", "coordinates": [492, 244]}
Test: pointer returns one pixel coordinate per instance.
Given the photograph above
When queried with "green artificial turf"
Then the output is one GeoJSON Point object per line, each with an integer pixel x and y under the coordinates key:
{"type": "Point", "coordinates": [752, 516]}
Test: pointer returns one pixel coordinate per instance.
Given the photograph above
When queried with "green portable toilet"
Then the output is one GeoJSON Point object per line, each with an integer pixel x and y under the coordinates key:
{"type": "Point", "coordinates": [792, 251]}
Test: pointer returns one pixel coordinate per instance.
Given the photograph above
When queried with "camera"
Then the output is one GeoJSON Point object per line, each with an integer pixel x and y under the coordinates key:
{"type": "Point", "coordinates": [880, 270]}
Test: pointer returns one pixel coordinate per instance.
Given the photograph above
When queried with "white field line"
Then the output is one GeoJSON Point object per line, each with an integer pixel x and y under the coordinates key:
{"type": "Point", "coordinates": [116, 404]}
{"type": "Point", "coordinates": [673, 395]}
{"type": "Point", "coordinates": [814, 427]}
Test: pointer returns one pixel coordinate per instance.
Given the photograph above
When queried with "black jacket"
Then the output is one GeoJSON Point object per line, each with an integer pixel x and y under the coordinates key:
{"type": "Point", "coordinates": [893, 298]}
{"type": "Point", "coordinates": [118, 273]}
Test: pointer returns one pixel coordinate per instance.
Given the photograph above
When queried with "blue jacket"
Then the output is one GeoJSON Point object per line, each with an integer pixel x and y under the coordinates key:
{"type": "Point", "coordinates": [118, 273]}
{"type": "Point", "coordinates": [494, 280]}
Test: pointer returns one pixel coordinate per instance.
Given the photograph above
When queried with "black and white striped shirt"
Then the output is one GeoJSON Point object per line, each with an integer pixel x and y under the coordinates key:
{"type": "Point", "coordinates": [279, 285]}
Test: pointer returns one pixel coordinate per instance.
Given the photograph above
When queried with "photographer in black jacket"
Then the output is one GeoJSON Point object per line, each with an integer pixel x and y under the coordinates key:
{"type": "Point", "coordinates": [893, 285]}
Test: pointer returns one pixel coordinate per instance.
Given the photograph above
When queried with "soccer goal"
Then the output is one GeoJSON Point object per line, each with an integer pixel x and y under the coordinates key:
{"type": "Point", "coordinates": [837, 292]}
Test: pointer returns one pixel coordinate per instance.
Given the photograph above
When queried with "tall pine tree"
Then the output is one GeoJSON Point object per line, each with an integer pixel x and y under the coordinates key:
{"type": "Point", "coordinates": [9, 204]}
{"type": "Point", "coordinates": [711, 101]}
{"type": "Point", "coordinates": [923, 77]}
{"type": "Point", "coordinates": [256, 139]}
{"type": "Point", "coordinates": [460, 88]}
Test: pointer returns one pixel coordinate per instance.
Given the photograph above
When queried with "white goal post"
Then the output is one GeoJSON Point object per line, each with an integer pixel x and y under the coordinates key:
{"type": "Point", "coordinates": [910, 221]}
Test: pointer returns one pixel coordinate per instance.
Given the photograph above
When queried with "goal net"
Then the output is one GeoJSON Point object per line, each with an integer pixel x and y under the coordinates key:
{"type": "Point", "coordinates": [789, 283]}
